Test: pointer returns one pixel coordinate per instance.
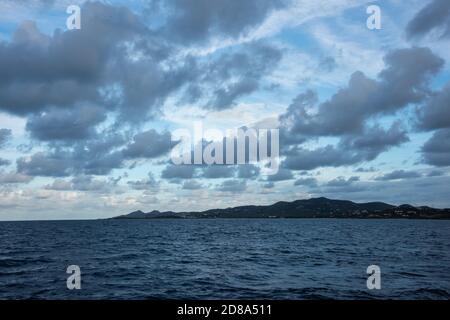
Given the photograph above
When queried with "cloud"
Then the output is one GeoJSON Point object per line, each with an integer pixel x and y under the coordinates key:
{"type": "Point", "coordinates": [282, 175]}
{"type": "Point", "coordinates": [192, 185]}
{"type": "Point", "coordinates": [5, 135]}
{"type": "Point", "coordinates": [435, 114]}
{"type": "Point", "coordinates": [403, 81]}
{"type": "Point", "coordinates": [13, 178]}
{"type": "Point", "coordinates": [4, 162]}
{"type": "Point", "coordinates": [435, 16]}
{"type": "Point", "coordinates": [307, 182]}
{"type": "Point", "coordinates": [269, 185]}
{"type": "Point", "coordinates": [85, 98]}
{"type": "Point", "coordinates": [435, 173]}
{"type": "Point", "coordinates": [436, 151]}
{"type": "Point", "coordinates": [365, 170]}
{"type": "Point", "coordinates": [375, 140]}
{"type": "Point", "coordinates": [149, 183]}
{"type": "Point", "coordinates": [342, 182]}
{"type": "Point", "coordinates": [248, 171]}
{"type": "Point", "coordinates": [350, 149]}
{"type": "Point", "coordinates": [328, 156]}
{"type": "Point", "coordinates": [66, 68]}
{"type": "Point", "coordinates": [194, 21]}
{"type": "Point", "coordinates": [149, 144]}
{"type": "Point", "coordinates": [113, 61]}
{"type": "Point", "coordinates": [88, 183]}
{"type": "Point", "coordinates": [399, 175]}
{"type": "Point", "coordinates": [178, 172]}
{"type": "Point", "coordinates": [236, 74]}
{"type": "Point", "coordinates": [327, 64]}
{"type": "Point", "coordinates": [97, 156]}
{"type": "Point", "coordinates": [425, 190]}
{"type": "Point", "coordinates": [83, 183]}
{"type": "Point", "coordinates": [218, 171]}
{"type": "Point", "coordinates": [234, 186]}
{"type": "Point", "coordinates": [342, 185]}
{"type": "Point", "coordinates": [42, 164]}
{"type": "Point", "coordinates": [66, 125]}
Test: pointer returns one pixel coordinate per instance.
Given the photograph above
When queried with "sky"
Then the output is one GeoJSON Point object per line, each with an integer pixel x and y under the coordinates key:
{"type": "Point", "coordinates": [87, 115]}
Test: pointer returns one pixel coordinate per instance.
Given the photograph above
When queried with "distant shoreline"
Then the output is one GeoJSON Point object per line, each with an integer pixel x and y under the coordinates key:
{"type": "Point", "coordinates": [314, 208]}
{"type": "Point", "coordinates": [225, 218]}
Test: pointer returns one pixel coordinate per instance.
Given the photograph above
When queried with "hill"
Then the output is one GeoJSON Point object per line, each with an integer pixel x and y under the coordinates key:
{"type": "Point", "coordinates": [310, 208]}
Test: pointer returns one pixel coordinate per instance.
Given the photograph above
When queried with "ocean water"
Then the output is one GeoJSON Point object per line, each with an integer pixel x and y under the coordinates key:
{"type": "Point", "coordinates": [225, 259]}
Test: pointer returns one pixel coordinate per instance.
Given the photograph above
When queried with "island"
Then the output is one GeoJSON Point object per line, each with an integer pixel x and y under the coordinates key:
{"type": "Point", "coordinates": [309, 208]}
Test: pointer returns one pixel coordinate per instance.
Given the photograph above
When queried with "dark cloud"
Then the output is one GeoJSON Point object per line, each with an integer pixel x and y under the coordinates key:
{"type": "Point", "coordinates": [248, 171]}
{"type": "Point", "coordinates": [93, 65]}
{"type": "Point", "coordinates": [178, 172]}
{"type": "Point", "coordinates": [65, 124]}
{"type": "Point", "coordinates": [118, 63]}
{"type": "Point", "coordinates": [307, 182]}
{"type": "Point", "coordinates": [435, 16]}
{"type": "Point", "coordinates": [435, 114]}
{"type": "Point", "coordinates": [116, 67]}
{"type": "Point", "coordinates": [365, 170]}
{"type": "Point", "coordinates": [374, 141]}
{"type": "Point", "coordinates": [13, 178]}
{"type": "Point", "coordinates": [5, 135]}
{"type": "Point", "coordinates": [83, 183]}
{"type": "Point", "coordinates": [88, 183]}
{"type": "Point", "coordinates": [234, 186]}
{"type": "Point", "coordinates": [328, 156]}
{"type": "Point", "coordinates": [93, 157]}
{"type": "Point", "coordinates": [327, 64]}
{"type": "Point", "coordinates": [421, 191]}
{"type": "Point", "coordinates": [40, 3]}
{"type": "Point", "coordinates": [436, 151]}
{"type": "Point", "coordinates": [59, 185]}
{"type": "Point", "coordinates": [4, 162]}
{"type": "Point", "coordinates": [221, 79]}
{"type": "Point", "coordinates": [435, 173]}
{"type": "Point", "coordinates": [236, 74]}
{"type": "Point", "coordinates": [282, 175]}
{"type": "Point", "coordinates": [192, 185]}
{"type": "Point", "coordinates": [291, 121]}
{"type": "Point", "coordinates": [149, 144]}
{"type": "Point", "coordinates": [402, 82]}
{"type": "Point", "coordinates": [150, 183]}
{"type": "Point", "coordinates": [269, 185]}
{"type": "Point", "coordinates": [42, 164]}
{"type": "Point", "coordinates": [399, 175]}
{"type": "Point", "coordinates": [342, 182]}
{"type": "Point", "coordinates": [218, 171]}
{"type": "Point", "coordinates": [350, 149]}
{"type": "Point", "coordinates": [193, 21]}
{"type": "Point", "coordinates": [146, 84]}
{"type": "Point", "coordinates": [68, 67]}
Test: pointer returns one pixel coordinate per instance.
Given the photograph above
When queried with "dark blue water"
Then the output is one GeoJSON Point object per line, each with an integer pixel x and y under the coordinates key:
{"type": "Point", "coordinates": [225, 259]}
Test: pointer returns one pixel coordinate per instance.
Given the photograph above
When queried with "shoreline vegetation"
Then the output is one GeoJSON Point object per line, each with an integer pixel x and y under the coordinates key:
{"type": "Point", "coordinates": [309, 208]}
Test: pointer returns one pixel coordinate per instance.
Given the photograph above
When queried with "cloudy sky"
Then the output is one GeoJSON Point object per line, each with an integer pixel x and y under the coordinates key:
{"type": "Point", "coordinates": [86, 115]}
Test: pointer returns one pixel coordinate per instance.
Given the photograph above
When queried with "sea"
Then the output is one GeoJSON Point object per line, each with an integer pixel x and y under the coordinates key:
{"type": "Point", "coordinates": [293, 259]}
